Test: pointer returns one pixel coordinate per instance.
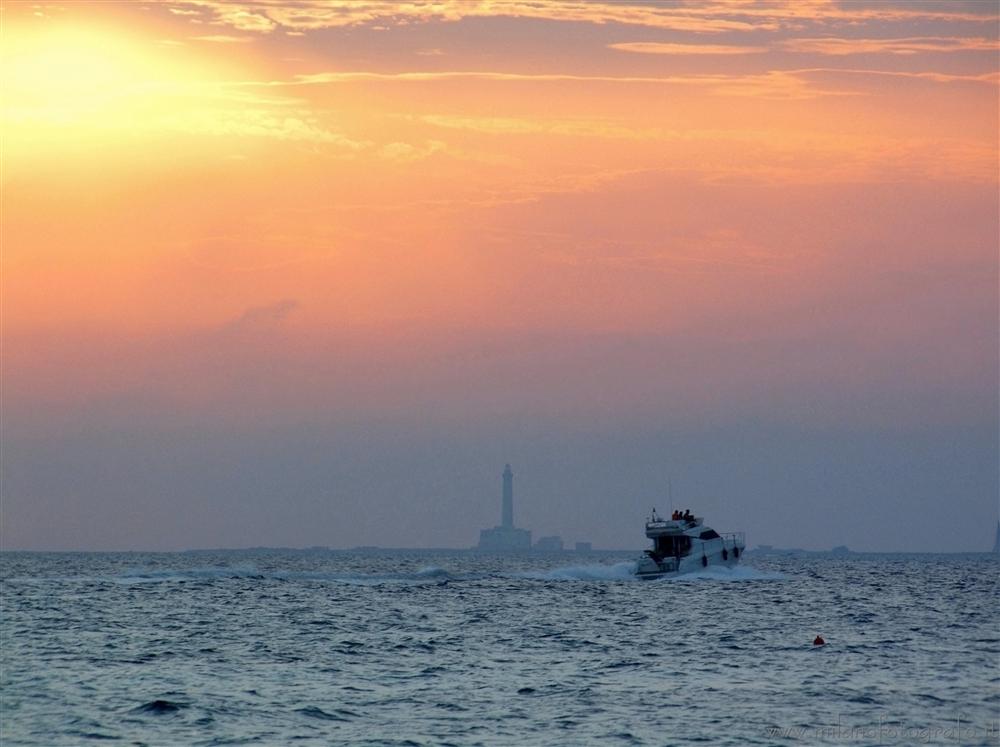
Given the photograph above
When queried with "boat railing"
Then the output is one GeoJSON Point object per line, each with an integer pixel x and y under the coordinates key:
{"type": "Point", "coordinates": [734, 538]}
{"type": "Point", "coordinates": [679, 524]}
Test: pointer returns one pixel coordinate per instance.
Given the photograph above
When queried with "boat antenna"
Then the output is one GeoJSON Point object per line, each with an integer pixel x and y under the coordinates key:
{"type": "Point", "coordinates": [670, 494]}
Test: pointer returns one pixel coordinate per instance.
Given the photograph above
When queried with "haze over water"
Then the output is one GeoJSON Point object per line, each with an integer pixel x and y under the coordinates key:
{"type": "Point", "coordinates": [311, 273]}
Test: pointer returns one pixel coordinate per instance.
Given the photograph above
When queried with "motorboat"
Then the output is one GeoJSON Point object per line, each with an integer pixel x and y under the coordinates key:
{"type": "Point", "coordinates": [684, 544]}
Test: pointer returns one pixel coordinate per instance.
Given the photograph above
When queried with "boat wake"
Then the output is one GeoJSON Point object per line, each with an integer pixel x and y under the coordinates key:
{"type": "Point", "coordinates": [597, 572]}
{"type": "Point", "coordinates": [724, 573]}
{"type": "Point", "coordinates": [626, 572]}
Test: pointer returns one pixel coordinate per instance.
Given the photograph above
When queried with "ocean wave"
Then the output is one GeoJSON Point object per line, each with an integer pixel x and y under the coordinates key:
{"type": "Point", "coordinates": [722, 573]}
{"type": "Point", "coordinates": [429, 574]}
{"type": "Point", "coordinates": [159, 707]}
{"type": "Point", "coordinates": [220, 657]}
{"type": "Point", "coordinates": [626, 572]}
{"type": "Point", "coordinates": [596, 572]}
{"type": "Point", "coordinates": [153, 575]}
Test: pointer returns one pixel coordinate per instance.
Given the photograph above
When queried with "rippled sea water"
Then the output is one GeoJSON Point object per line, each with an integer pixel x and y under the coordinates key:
{"type": "Point", "coordinates": [406, 648]}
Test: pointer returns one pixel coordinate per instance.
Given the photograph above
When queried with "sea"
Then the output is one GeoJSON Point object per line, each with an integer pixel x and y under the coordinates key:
{"type": "Point", "coordinates": [377, 647]}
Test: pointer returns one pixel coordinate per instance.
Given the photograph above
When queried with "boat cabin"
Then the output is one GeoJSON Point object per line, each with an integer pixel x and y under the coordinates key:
{"type": "Point", "coordinates": [685, 543]}
{"type": "Point", "coordinates": [672, 545]}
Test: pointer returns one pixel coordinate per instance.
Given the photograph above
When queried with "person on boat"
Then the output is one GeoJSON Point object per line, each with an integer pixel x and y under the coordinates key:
{"type": "Point", "coordinates": [676, 515]}
{"type": "Point", "coordinates": [687, 514]}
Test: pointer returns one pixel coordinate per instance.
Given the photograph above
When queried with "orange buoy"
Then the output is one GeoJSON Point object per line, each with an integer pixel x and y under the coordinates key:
{"type": "Point", "coordinates": [819, 641]}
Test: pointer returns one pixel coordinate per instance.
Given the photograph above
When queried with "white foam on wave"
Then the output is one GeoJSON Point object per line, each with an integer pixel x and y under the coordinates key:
{"type": "Point", "coordinates": [597, 572]}
{"type": "Point", "coordinates": [626, 572]}
{"type": "Point", "coordinates": [722, 573]}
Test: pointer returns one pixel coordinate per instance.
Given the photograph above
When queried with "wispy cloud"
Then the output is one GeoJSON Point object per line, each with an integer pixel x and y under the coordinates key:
{"type": "Point", "coordinates": [266, 15]}
{"type": "Point", "coordinates": [774, 84]}
{"type": "Point", "coordinates": [789, 83]}
{"type": "Point", "coordinates": [524, 126]}
{"type": "Point", "coordinates": [247, 122]}
{"type": "Point", "coordinates": [834, 46]}
{"type": "Point", "coordinates": [684, 49]}
{"type": "Point", "coordinates": [709, 17]}
{"type": "Point", "coordinates": [400, 151]}
{"type": "Point", "coordinates": [992, 78]}
{"type": "Point", "coordinates": [223, 39]}
{"type": "Point", "coordinates": [242, 16]}
{"type": "Point", "coordinates": [905, 46]}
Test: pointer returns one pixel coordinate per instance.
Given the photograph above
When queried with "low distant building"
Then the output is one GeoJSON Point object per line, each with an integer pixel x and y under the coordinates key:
{"type": "Point", "coordinates": [583, 547]}
{"type": "Point", "coordinates": [549, 544]}
{"type": "Point", "coordinates": [506, 537]}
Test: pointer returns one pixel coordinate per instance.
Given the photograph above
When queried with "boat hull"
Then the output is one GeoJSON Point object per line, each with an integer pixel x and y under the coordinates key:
{"type": "Point", "coordinates": [712, 554]}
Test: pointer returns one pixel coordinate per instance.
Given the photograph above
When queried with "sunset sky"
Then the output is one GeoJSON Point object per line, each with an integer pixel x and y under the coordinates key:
{"type": "Point", "coordinates": [310, 272]}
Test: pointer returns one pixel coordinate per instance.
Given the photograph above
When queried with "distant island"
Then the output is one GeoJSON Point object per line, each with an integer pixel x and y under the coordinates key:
{"type": "Point", "coordinates": [839, 550]}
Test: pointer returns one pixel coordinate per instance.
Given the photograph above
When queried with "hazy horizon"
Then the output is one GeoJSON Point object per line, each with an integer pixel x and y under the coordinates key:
{"type": "Point", "coordinates": [311, 274]}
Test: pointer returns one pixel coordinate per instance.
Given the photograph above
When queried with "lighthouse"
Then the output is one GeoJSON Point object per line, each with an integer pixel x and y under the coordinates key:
{"type": "Point", "coordinates": [507, 518]}
{"type": "Point", "coordinates": [506, 537]}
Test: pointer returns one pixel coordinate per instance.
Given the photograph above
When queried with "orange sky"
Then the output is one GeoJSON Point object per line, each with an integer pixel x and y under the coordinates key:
{"type": "Point", "coordinates": [470, 208]}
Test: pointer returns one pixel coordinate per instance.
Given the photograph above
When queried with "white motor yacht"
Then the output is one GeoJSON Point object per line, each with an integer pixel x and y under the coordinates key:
{"type": "Point", "coordinates": [685, 544]}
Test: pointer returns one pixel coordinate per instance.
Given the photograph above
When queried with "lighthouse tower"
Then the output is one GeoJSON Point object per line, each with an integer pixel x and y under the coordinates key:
{"type": "Point", "coordinates": [507, 518]}
{"type": "Point", "coordinates": [506, 537]}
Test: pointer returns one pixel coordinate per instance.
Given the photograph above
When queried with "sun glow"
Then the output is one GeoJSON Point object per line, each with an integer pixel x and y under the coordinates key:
{"type": "Point", "coordinates": [66, 75]}
{"type": "Point", "coordinates": [64, 85]}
